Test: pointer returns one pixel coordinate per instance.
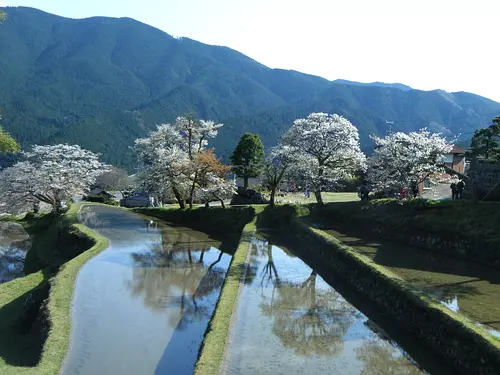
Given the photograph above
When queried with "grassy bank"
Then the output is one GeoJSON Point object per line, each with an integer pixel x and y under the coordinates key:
{"type": "Point", "coordinates": [460, 228]}
{"type": "Point", "coordinates": [35, 330]}
{"type": "Point", "coordinates": [212, 351]}
{"type": "Point", "coordinates": [213, 220]}
{"type": "Point", "coordinates": [460, 342]}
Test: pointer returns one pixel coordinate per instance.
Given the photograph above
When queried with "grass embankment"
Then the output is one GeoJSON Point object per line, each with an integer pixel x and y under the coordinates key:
{"type": "Point", "coordinates": [459, 341]}
{"type": "Point", "coordinates": [214, 343]}
{"type": "Point", "coordinates": [35, 335]}
{"type": "Point", "coordinates": [459, 228]}
{"type": "Point", "coordinates": [227, 222]}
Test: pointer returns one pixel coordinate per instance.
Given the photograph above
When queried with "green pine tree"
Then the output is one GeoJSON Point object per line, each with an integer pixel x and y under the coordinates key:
{"type": "Point", "coordinates": [248, 157]}
{"type": "Point", "coordinates": [485, 143]}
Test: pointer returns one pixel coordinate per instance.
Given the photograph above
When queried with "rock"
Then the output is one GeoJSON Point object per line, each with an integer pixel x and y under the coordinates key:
{"type": "Point", "coordinates": [248, 196]}
{"type": "Point", "coordinates": [11, 233]}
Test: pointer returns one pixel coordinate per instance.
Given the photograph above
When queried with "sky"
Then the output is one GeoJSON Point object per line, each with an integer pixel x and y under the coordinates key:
{"type": "Point", "coordinates": [426, 44]}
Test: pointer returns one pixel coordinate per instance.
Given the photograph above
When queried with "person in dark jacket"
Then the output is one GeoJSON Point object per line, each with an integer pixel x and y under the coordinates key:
{"type": "Point", "coordinates": [454, 190]}
{"type": "Point", "coordinates": [460, 189]}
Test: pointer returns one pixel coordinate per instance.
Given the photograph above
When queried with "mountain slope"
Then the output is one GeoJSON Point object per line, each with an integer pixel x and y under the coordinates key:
{"type": "Point", "coordinates": [102, 82]}
{"type": "Point", "coordinates": [377, 84]}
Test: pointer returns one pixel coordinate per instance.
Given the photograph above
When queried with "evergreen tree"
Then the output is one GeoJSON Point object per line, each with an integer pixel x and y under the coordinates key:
{"type": "Point", "coordinates": [248, 157]}
{"type": "Point", "coordinates": [485, 143]}
{"type": "Point", "coordinates": [7, 143]}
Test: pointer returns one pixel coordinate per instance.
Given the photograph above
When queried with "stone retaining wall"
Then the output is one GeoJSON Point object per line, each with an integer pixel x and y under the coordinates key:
{"type": "Point", "coordinates": [486, 177]}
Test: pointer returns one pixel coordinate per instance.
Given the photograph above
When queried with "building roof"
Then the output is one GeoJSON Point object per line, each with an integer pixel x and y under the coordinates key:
{"type": "Point", "coordinates": [457, 150]}
{"type": "Point", "coordinates": [95, 192]}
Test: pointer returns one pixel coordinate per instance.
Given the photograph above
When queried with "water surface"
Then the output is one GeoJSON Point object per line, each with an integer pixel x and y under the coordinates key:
{"type": "Point", "coordinates": [465, 287]}
{"type": "Point", "coordinates": [14, 243]}
{"type": "Point", "coordinates": [290, 321]}
{"type": "Point", "coordinates": [142, 306]}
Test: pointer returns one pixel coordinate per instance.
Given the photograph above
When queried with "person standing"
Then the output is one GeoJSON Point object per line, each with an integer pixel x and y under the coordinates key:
{"type": "Point", "coordinates": [414, 190]}
{"type": "Point", "coordinates": [453, 188]}
{"type": "Point", "coordinates": [460, 189]}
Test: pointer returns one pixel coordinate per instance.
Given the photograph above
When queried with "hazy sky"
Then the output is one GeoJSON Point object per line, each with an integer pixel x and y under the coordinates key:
{"type": "Point", "coordinates": [427, 44]}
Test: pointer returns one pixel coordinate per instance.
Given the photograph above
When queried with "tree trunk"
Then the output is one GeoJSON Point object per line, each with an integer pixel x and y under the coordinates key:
{"type": "Point", "coordinates": [207, 205]}
{"type": "Point", "coordinates": [318, 196]}
{"type": "Point", "coordinates": [191, 193]}
{"type": "Point", "coordinates": [245, 182]}
{"type": "Point", "coordinates": [56, 207]}
{"type": "Point", "coordinates": [221, 201]}
{"type": "Point", "coordinates": [317, 192]}
{"type": "Point", "coordinates": [273, 194]}
{"type": "Point", "coordinates": [177, 195]}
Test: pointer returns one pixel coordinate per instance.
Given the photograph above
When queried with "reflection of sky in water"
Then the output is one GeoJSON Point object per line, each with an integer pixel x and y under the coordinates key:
{"type": "Point", "coordinates": [14, 242]}
{"type": "Point", "coordinates": [452, 304]}
{"type": "Point", "coordinates": [11, 263]}
{"type": "Point", "coordinates": [289, 320]}
{"type": "Point", "coordinates": [142, 306]}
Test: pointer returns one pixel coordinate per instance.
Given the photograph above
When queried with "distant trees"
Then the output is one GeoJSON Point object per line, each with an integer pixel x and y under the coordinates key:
{"type": "Point", "coordinates": [174, 158]}
{"type": "Point", "coordinates": [49, 174]}
{"type": "Point", "coordinates": [3, 16]}
{"type": "Point", "coordinates": [248, 157]}
{"type": "Point", "coordinates": [114, 179]}
{"type": "Point", "coordinates": [402, 160]}
{"type": "Point", "coordinates": [326, 148]}
{"type": "Point", "coordinates": [485, 143]}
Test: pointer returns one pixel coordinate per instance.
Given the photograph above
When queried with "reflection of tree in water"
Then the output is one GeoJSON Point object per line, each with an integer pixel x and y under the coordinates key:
{"type": "Point", "coordinates": [174, 273]}
{"type": "Point", "coordinates": [381, 357]}
{"type": "Point", "coordinates": [89, 217]}
{"type": "Point", "coordinates": [309, 320]}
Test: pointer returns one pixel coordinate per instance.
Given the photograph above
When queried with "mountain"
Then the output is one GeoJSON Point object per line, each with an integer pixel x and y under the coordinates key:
{"type": "Point", "coordinates": [377, 84]}
{"type": "Point", "coordinates": [103, 82]}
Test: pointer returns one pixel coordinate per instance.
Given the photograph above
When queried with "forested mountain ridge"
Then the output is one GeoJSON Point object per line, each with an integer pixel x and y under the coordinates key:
{"type": "Point", "coordinates": [102, 82]}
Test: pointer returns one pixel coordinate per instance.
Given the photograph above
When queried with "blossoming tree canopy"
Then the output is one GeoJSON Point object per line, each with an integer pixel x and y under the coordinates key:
{"type": "Point", "coordinates": [174, 159]}
{"type": "Point", "coordinates": [327, 149]}
{"type": "Point", "coordinates": [50, 174]}
{"type": "Point", "coordinates": [402, 160]}
{"type": "Point", "coordinates": [276, 166]}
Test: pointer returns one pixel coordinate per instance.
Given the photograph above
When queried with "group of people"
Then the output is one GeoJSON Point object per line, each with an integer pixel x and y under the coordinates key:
{"type": "Point", "coordinates": [457, 189]}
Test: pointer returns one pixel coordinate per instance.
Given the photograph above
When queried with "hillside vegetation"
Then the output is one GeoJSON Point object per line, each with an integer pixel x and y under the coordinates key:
{"type": "Point", "coordinates": [102, 82]}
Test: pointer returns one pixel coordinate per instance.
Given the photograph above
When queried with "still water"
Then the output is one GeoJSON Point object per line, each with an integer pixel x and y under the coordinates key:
{"type": "Point", "coordinates": [14, 244]}
{"type": "Point", "coordinates": [468, 288]}
{"type": "Point", "coordinates": [142, 306]}
{"type": "Point", "coordinates": [290, 321]}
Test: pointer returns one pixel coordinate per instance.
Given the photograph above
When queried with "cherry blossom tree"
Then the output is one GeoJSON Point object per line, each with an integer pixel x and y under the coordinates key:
{"type": "Point", "coordinates": [276, 167]}
{"type": "Point", "coordinates": [402, 160]}
{"type": "Point", "coordinates": [326, 148]}
{"type": "Point", "coordinates": [161, 163]}
{"type": "Point", "coordinates": [216, 188]}
{"type": "Point", "coordinates": [170, 157]}
{"type": "Point", "coordinates": [49, 174]}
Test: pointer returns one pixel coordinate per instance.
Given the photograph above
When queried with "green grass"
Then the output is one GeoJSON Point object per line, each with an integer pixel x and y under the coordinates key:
{"type": "Point", "coordinates": [473, 226]}
{"type": "Point", "coordinates": [29, 352]}
{"type": "Point", "coordinates": [299, 198]}
{"type": "Point", "coordinates": [213, 348]}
